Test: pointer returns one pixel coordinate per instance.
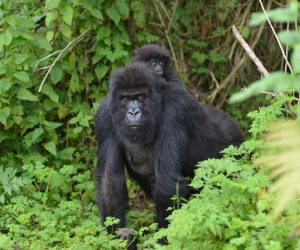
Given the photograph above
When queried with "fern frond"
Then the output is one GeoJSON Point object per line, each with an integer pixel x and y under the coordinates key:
{"type": "Point", "coordinates": [283, 157]}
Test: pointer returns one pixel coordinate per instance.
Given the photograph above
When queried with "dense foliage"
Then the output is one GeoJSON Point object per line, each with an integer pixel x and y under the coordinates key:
{"type": "Point", "coordinates": [55, 60]}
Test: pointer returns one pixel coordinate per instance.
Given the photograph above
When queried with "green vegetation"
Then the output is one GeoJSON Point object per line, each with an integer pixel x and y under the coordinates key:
{"type": "Point", "coordinates": [67, 49]}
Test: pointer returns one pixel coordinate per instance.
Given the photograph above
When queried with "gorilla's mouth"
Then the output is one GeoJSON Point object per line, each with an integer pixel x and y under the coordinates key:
{"type": "Point", "coordinates": [135, 126]}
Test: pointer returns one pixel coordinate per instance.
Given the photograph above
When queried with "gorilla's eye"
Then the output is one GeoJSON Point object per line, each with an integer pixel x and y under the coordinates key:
{"type": "Point", "coordinates": [140, 98]}
{"type": "Point", "coordinates": [160, 63]}
{"type": "Point", "coordinates": [124, 98]}
{"type": "Point", "coordinates": [154, 62]}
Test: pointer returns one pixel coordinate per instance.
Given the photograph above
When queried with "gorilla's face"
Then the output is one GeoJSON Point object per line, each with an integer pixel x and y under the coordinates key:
{"type": "Point", "coordinates": [136, 105]}
{"type": "Point", "coordinates": [157, 59]}
{"type": "Point", "coordinates": [158, 65]}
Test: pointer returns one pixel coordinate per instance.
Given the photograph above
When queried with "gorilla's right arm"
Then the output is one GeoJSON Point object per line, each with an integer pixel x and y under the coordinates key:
{"type": "Point", "coordinates": [112, 195]}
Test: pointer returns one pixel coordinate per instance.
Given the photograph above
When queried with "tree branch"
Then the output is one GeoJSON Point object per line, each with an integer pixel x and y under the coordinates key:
{"type": "Point", "coordinates": [60, 53]}
{"type": "Point", "coordinates": [261, 68]}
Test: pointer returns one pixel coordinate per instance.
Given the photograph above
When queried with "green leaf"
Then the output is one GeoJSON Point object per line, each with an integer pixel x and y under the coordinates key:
{"type": "Point", "coordinates": [139, 13]}
{"type": "Point", "coordinates": [96, 13]}
{"type": "Point", "coordinates": [5, 85]}
{"type": "Point", "coordinates": [51, 4]}
{"type": "Point", "coordinates": [122, 8]}
{"type": "Point", "coordinates": [199, 57]}
{"type": "Point", "coordinates": [25, 94]}
{"type": "Point", "coordinates": [67, 15]}
{"type": "Point", "coordinates": [74, 84]}
{"type": "Point", "coordinates": [33, 136]}
{"type": "Point", "coordinates": [118, 54]}
{"type": "Point", "coordinates": [283, 15]}
{"type": "Point", "coordinates": [245, 31]}
{"type": "Point", "coordinates": [215, 57]}
{"type": "Point", "coordinates": [277, 15]}
{"type": "Point", "coordinates": [22, 76]}
{"type": "Point", "coordinates": [290, 38]}
{"type": "Point", "coordinates": [147, 37]}
{"type": "Point", "coordinates": [66, 30]}
{"type": "Point", "coordinates": [66, 154]}
{"type": "Point", "coordinates": [277, 81]}
{"type": "Point", "coordinates": [20, 58]}
{"type": "Point", "coordinates": [49, 35]}
{"type": "Point", "coordinates": [51, 16]}
{"type": "Point", "coordinates": [101, 70]}
{"type": "Point", "coordinates": [51, 147]}
{"type": "Point", "coordinates": [113, 14]}
{"type": "Point", "coordinates": [295, 59]}
{"type": "Point", "coordinates": [238, 241]}
{"type": "Point", "coordinates": [103, 32]}
{"type": "Point", "coordinates": [4, 114]}
{"type": "Point", "coordinates": [50, 92]}
{"type": "Point", "coordinates": [6, 38]}
{"type": "Point", "coordinates": [257, 19]}
{"type": "Point", "coordinates": [56, 74]}
{"type": "Point", "coordinates": [43, 44]}
{"type": "Point", "coordinates": [52, 125]}
{"type": "Point", "coordinates": [62, 112]}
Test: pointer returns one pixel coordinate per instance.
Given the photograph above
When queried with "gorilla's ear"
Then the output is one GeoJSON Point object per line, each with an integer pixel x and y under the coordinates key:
{"type": "Point", "coordinates": [136, 56]}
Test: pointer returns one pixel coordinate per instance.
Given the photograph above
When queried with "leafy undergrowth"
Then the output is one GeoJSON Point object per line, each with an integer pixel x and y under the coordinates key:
{"type": "Point", "coordinates": [233, 209]}
{"type": "Point", "coordinates": [55, 209]}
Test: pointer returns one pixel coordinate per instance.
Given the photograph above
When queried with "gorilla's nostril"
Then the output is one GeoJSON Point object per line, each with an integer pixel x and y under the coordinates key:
{"type": "Point", "coordinates": [136, 113]}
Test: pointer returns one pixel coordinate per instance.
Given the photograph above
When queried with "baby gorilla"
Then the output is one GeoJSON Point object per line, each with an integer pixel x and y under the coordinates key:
{"type": "Point", "coordinates": [157, 58]}
{"type": "Point", "coordinates": [158, 132]}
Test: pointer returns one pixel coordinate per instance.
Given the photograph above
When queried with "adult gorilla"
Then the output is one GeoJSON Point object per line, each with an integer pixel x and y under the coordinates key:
{"type": "Point", "coordinates": [159, 132]}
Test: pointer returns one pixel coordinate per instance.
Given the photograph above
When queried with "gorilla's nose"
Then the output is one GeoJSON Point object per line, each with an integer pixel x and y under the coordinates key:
{"type": "Point", "coordinates": [134, 114]}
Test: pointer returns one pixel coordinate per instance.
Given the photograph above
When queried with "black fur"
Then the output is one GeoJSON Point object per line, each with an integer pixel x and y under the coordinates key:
{"type": "Point", "coordinates": [178, 133]}
{"type": "Point", "coordinates": [153, 51]}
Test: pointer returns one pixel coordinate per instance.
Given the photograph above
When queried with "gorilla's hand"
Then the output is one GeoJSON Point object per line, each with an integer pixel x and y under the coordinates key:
{"type": "Point", "coordinates": [126, 233]}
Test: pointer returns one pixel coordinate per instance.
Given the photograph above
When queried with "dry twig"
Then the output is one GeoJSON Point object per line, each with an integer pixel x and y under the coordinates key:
{"type": "Point", "coordinates": [277, 39]}
{"type": "Point", "coordinates": [250, 52]}
{"type": "Point", "coordinates": [60, 53]}
{"type": "Point", "coordinates": [165, 27]}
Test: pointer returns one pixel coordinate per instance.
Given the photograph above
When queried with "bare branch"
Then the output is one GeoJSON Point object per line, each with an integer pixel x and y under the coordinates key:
{"type": "Point", "coordinates": [166, 33]}
{"type": "Point", "coordinates": [54, 53]}
{"type": "Point", "coordinates": [277, 39]}
{"type": "Point", "coordinates": [61, 52]}
{"type": "Point", "coordinates": [250, 52]}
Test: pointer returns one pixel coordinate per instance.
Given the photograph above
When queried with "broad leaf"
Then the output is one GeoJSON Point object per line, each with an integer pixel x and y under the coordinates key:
{"type": "Point", "coordinates": [290, 38]}
{"type": "Point", "coordinates": [277, 81]}
{"type": "Point", "coordinates": [122, 8]}
{"type": "Point", "coordinates": [4, 114]}
{"type": "Point", "coordinates": [22, 76]}
{"type": "Point", "coordinates": [113, 14]}
{"type": "Point", "coordinates": [33, 136]}
{"type": "Point", "coordinates": [56, 74]}
{"type": "Point", "coordinates": [101, 70]}
{"type": "Point", "coordinates": [66, 30]}
{"type": "Point", "coordinates": [295, 60]}
{"type": "Point", "coordinates": [276, 15]}
{"type": "Point", "coordinates": [5, 85]}
{"type": "Point", "coordinates": [51, 4]}
{"type": "Point", "coordinates": [25, 94]}
{"type": "Point", "coordinates": [50, 92]}
{"type": "Point", "coordinates": [96, 13]}
{"type": "Point", "coordinates": [67, 15]}
{"type": "Point", "coordinates": [51, 147]}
